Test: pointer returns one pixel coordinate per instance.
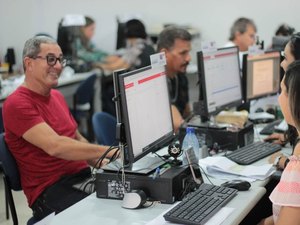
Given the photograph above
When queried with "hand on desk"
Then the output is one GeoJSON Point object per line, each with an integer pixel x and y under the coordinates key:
{"type": "Point", "coordinates": [276, 138]}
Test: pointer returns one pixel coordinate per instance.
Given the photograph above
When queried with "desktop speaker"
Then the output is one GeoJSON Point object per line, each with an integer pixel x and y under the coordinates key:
{"type": "Point", "coordinates": [10, 59]}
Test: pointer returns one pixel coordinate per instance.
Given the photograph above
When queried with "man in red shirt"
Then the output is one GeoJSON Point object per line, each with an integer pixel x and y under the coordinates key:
{"type": "Point", "coordinates": [42, 134]}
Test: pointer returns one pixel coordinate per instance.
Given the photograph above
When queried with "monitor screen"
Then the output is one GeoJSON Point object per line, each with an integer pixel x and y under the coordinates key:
{"type": "Point", "coordinates": [261, 75]}
{"type": "Point", "coordinates": [219, 79]}
{"type": "Point", "coordinates": [145, 111]}
{"type": "Point", "coordinates": [279, 42]}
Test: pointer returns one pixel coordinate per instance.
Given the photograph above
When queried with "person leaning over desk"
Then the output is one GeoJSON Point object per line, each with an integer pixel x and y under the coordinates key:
{"type": "Point", "coordinates": [42, 134]}
{"type": "Point", "coordinates": [175, 42]}
{"type": "Point", "coordinates": [291, 53]}
{"type": "Point", "coordinates": [285, 197]}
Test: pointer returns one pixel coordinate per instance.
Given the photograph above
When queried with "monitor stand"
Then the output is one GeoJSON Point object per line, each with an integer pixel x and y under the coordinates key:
{"type": "Point", "coordinates": [197, 121]}
{"type": "Point", "coordinates": [145, 165]}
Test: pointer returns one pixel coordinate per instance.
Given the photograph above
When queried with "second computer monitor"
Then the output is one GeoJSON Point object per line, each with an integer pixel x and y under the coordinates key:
{"type": "Point", "coordinates": [219, 80]}
{"type": "Point", "coordinates": [145, 111]}
{"type": "Point", "coordinates": [261, 75]}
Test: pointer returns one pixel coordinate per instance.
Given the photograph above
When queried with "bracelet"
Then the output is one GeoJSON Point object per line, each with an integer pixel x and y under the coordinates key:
{"type": "Point", "coordinates": [286, 162]}
{"type": "Point", "coordinates": [276, 161]}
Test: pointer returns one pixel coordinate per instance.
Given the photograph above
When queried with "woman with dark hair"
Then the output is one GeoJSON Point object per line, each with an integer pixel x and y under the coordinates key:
{"type": "Point", "coordinates": [285, 196]}
{"type": "Point", "coordinates": [291, 53]}
{"type": "Point", "coordinates": [137, 51]}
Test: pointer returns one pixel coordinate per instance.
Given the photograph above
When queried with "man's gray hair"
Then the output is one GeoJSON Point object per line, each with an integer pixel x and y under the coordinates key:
{"type": "Point", "coordinates": [240, 25]}
{"type": "Point", "coordinates": [167, 37]}
{"type": "Point", "coordinates": [32, 46]}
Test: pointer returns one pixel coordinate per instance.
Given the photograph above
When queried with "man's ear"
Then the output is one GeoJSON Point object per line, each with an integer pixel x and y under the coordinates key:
{"type": "Point", "coordinates": [27, 63]}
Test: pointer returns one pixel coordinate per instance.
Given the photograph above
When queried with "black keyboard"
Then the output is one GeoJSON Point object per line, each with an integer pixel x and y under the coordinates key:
{"type": "Point", "coordinates": [253, 152]}
{"type": "Point", "coordinates": [199, 206]}
{"type": "Point", "coordinates": [270, 127]}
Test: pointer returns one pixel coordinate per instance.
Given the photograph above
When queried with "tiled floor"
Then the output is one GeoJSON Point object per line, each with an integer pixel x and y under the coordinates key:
{"type": "Point", "coordinates": [23, 211]}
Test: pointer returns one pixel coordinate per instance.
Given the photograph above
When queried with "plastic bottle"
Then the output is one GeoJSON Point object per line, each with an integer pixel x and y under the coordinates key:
{"type": "Point", "coordinates": [190, 140]}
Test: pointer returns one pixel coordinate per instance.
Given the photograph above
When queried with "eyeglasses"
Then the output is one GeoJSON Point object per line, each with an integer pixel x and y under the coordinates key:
{"type": "Point", "coordinates": [51, 60]}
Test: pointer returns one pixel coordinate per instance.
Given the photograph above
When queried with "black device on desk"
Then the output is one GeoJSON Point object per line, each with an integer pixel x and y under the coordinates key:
{"type": "Point", "coordinates": [219, 88]}
{"type": "Point", "coordinates": [170, 185]}
{"type": "Point", "coordinates": [261, 75]}
{"type": "Point", "coordinates": [253, 152]}
{"type": "Point", "coordinates": [270, 128]}
{"type": "Point", "coordinates": [219, 81]}
{"type": "Point", "coordinates": [226, 138]}
{"type": "Point", "coordinates": [144, 118]}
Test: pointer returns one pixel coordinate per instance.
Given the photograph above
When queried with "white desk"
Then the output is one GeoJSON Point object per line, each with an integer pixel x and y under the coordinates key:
{"type": "Point", "coordinates": [67, 85]}
{"type": "Point", "coordinates": [94, 211]}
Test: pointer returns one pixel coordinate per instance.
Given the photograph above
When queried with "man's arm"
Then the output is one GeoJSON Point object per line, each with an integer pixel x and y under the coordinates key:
{"type": "Point", "coordinates": [177, 118]}
{"type": "Point", "coordinates": [45, 138]}
{"type": "Point", "coordinates": [187, 111]}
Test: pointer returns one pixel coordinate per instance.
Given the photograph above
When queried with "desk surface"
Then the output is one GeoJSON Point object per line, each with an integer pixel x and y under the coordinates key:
{"type": "Point", "coordinates": [63, 81]}
{"type": "Point", "coordinates": [94, 211]}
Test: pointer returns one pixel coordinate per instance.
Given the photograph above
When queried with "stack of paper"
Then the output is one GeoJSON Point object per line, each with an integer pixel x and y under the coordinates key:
{"type": "Point", "coordinates": [222, 168]}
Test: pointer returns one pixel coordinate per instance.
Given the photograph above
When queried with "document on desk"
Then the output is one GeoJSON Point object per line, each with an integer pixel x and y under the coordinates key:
{"type": "Point", "coordinates": [217, 219]}
{"type": "Point", "coordinates": [223, 168]}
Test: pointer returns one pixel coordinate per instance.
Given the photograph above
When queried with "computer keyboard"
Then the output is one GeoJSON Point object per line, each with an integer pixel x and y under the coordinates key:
{"type": "Point", "coordinates": [253, 152]}
{"type": "Point", "coordinates": [270, 128]}
{"type": "Point", "coordinates": [199, 206]}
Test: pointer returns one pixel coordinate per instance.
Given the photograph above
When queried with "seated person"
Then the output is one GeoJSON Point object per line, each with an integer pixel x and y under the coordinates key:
{"type": "Point", "coordinates": [137, 51]}
{"type": "Point", "coordinates": [176, 43]}
{"type": "Point", "coordinates": [291, 53]}
{"type": "Point", "coordinates": [42, 135]}
{"type": "Point", "coordinates": [284, 30]}
{"type": "Point", "coordinates": [85, 49]}
{"type": "Point", "coordinates": [242, 35]}
{"type": "Point", "coordinates": [285, 197]}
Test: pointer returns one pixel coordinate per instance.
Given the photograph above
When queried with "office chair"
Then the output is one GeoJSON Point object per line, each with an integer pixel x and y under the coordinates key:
{"type": "Point", "coordinates": [83, 106]}
{"type": "Point", "coordinates": [104, 126]}
{"type": "Point", "coordinates": [11, 178]}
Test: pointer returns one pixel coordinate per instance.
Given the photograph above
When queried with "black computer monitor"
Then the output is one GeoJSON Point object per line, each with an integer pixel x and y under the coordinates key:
{"type": "Point", "coordinates": [279, 42]}
{"type": "Point", "coordinates": [261, 75]}
{"type": "Point", "coordinates": [219, 81]}
{"type": "Point", "coordinates": [145, 112]}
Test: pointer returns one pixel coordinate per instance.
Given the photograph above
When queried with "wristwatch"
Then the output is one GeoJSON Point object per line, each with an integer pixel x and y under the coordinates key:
{"type": "Point", "coordinates": [276, 161]}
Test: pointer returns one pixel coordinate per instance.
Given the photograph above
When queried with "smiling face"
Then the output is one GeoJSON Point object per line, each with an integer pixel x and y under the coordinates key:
{"type": "Point", "coordinates": [40, 76]}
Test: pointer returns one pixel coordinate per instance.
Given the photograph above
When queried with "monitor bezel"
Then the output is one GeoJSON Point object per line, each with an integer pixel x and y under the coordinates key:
{"type": "Point", "coordinates": [245, 76]}
{"type": "Point", "coordinates": [202, 85]}
{"type": "Point", "coordinates": [152, 147]}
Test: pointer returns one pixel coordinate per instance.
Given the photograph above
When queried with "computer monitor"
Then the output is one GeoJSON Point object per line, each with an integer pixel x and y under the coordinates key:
{"type": "Point", "coordinates": [279, 42]}
{"type": "Point", "coordinates": [219, 81]}
{"type": "Point", "coordinates": [261, 75]}
{"type": "Point", "coordinates": [145, 112]}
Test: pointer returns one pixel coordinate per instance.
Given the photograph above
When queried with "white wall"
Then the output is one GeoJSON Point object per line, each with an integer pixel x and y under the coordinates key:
{"type": "Point", "coordinates": [21, 19]}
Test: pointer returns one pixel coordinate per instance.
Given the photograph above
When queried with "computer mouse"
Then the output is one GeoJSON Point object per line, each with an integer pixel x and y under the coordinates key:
{"type": "Point", "coordinates": [134, 199]}
{"type": "Point", "coordinates": [240, 185]}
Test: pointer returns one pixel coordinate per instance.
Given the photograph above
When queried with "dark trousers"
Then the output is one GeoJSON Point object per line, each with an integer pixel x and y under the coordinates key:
{"type": "Point", "coordinates": [60, 195]}
{"type": "Point", "coordinates": [263, 208]}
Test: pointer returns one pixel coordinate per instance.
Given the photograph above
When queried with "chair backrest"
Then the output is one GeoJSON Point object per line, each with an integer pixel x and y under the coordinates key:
{"type": "Point", "coordinates": [9, 166]}
{"type": "Point", "coordinates": [85, 92]}
{"type": "Point", "coordinates": [104, 126]}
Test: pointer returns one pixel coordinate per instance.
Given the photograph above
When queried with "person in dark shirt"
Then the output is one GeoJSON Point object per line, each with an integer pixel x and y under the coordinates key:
{"type": "Point", "coordinates": [175, 42]}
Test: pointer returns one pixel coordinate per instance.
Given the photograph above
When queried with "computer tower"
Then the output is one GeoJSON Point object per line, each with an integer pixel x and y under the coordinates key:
{"type": "Point", "coordinates": [166, 188]}
{"type": "Point", "coordinates": [227, 139]}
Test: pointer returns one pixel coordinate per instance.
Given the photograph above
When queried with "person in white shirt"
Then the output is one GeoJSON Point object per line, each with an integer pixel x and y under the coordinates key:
{"type": "Point", "coordinates": [242, 35]}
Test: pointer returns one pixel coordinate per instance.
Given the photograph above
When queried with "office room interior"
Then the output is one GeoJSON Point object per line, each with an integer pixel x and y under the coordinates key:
{"type": "Point", "coordinates": [20, 20]}
{"type": "Point", "coordinates": [23, 19]}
